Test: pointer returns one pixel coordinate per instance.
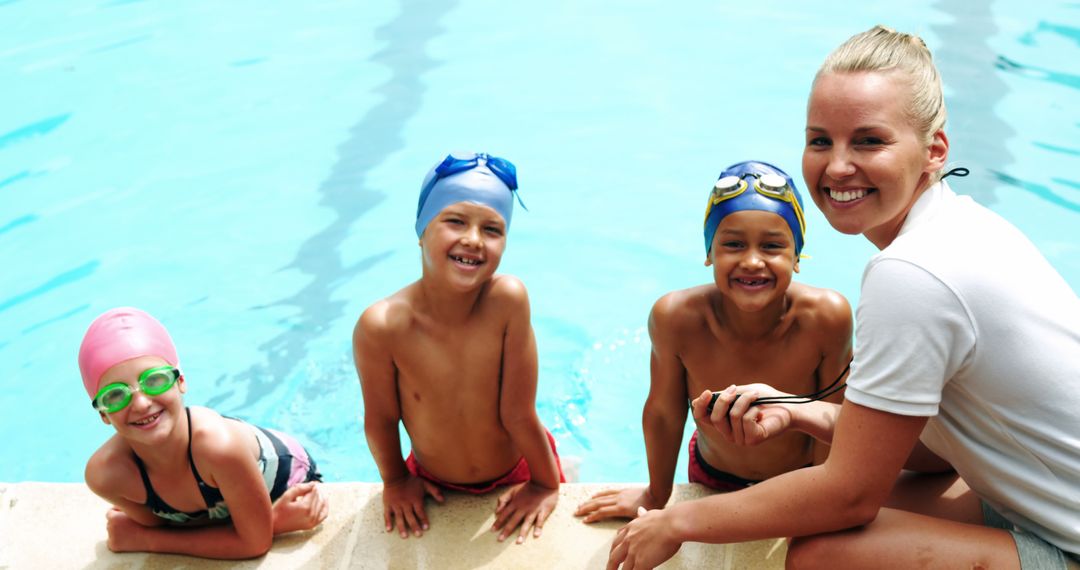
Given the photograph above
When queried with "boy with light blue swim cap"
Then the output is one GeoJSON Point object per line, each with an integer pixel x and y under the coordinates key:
{"type": "Point", "coordinates": [751, 323]}
{"type": "Point", "coordinates": [772, 191]}
{"type": "Point", "coordinates": [467, 177]}
{"type": "Point", "coordinates": [452, 357]}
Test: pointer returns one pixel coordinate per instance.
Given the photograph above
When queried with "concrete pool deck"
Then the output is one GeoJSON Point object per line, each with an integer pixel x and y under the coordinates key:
{"type": "Point", "coordinates": [62, 525]}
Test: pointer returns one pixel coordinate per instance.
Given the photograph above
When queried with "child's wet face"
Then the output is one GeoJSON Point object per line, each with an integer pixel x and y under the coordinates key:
{"type": "Point", "coordinates": [753, 258]}
{"type": "Point", "coordinates": [864, 162]}
{"type": "Point", "coordinates": [464, 244]}
{"type": "Point", "coordinates": [145, 417]}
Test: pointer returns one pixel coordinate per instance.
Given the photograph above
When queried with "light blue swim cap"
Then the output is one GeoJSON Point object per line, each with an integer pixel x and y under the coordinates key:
{"type": "Point", "coordinates": [758, 193]}
{"type": "Point", "coordinates": [467, 177]}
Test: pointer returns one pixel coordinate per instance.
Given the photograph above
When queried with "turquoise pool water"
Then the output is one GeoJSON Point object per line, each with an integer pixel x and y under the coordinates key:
{"type": "Point", "coordinates": [248, 172]}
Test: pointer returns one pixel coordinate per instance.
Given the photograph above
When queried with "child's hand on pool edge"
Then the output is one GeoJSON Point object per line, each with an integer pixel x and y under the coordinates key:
{"type": "Point", "coordinates": [302, 507]}
{"type": "Point", "coordinates": [403, 505]}
{"type": "Point", "coordinates": [617, 503]}
{"type": "Point", "coordinates": [526, 505]}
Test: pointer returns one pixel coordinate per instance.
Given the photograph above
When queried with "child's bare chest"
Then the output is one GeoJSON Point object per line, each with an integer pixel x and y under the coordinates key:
{"type": "Point", "coordinates": [449, 364]}
{"type": "Point", "coordinates": [789, 365]}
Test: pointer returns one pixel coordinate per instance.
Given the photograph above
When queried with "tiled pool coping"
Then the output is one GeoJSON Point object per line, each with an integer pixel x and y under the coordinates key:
{"type": "Point", "coordinates": [62, 525]}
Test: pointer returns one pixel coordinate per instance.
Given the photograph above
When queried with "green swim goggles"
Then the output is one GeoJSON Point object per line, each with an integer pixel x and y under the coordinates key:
{"type": "Point", "coordinates": [153, 382]}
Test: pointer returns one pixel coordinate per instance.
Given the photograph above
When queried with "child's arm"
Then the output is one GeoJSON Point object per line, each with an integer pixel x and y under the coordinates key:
{"type": "Point", "coordinates": [250, 533]}
{"type": "Point", "coordinates": [526, 505]}
{"type": "Point", "coordinates": [110, 477]}
{"type": "Point", "coordinates": [663, 420]}
{"type": "Point", "coordinates": [403, 494]}
{"type": "Point", "coordinates": [836, 327]}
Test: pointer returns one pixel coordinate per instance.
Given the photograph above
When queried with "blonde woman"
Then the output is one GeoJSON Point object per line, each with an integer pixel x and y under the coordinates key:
{"type": "Point", "coordinates": [967, 362]}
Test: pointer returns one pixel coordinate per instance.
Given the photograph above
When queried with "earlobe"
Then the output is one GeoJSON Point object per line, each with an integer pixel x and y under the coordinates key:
{"type": "Point", "coordinates": [104, 419]}
{"type": "Point", "coordinates": [796, 264]}
{"type": "Point", "coordinates": [708, 262]}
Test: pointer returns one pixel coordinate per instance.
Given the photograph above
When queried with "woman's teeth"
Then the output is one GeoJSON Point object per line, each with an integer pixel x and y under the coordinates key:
{"type": "Point", "coordinates": [847, 195]}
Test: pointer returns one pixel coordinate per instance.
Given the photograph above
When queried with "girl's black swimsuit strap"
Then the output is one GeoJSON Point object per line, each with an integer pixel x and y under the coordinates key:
{"type": "Point", "coordinates": [212, 495]}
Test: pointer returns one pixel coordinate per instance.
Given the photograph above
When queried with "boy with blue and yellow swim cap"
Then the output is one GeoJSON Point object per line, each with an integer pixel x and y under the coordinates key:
{"type": "Point", "coordinates": [452, 356]}
{"type": "Point", "coordinates": [751, 324]}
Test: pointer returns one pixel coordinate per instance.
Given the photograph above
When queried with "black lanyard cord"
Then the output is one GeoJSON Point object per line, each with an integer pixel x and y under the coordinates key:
{"type": "Point", "coordinates": [825, 392]}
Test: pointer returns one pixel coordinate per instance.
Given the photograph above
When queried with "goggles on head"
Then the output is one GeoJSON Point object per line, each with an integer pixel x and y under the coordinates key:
{"type": "Point", "coordinates": [770, 185]}
{"type": "Point", "coordinates": [153, 382]}
{"type": "Point", "coordinates": [774, 191]}
{"type": "Point", "coordinates": [503, 169]}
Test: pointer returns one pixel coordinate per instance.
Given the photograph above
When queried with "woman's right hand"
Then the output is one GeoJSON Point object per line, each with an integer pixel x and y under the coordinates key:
{"type": "Point", "coordinates": [616, 503]}
{"type": "Point", "coordinates": [736, 420]}
{"type": "Point", "coordinates": [403, 504]}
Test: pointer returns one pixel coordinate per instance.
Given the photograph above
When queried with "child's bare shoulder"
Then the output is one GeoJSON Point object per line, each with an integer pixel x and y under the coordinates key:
{"type": "Point", "coordinates": [507, 288]}
{"type": "Point", "coordinates": [387, 316]}
{"type": "Point", "coordinates": [822, 307]}
{"type": "Point", "coordinates": [681, 307]}
{"type": "Point", "coordinates": [210, 431]}
{"type": "Point", "coordinates": [110, 469]}
{"type": "Point", "coordinates": [216, 441]}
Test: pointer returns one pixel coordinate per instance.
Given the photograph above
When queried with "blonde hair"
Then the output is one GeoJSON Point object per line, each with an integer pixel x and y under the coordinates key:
{"type": "Point", "coordinates": [885, 50]}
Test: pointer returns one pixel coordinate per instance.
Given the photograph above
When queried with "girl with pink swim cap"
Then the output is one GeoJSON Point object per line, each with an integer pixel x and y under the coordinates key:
{"type": "Point", "coordinates": [169, 466]}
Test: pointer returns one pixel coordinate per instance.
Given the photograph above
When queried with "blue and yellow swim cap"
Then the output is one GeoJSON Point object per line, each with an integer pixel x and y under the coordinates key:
{"type": "Point", "coordinates": [772, 191]}
{"type": "Point", "coordinates": [468, 177]}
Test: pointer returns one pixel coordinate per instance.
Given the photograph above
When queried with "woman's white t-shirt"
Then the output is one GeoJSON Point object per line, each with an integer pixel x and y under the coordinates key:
{"type": "Point", "coordinates": [963, 320]}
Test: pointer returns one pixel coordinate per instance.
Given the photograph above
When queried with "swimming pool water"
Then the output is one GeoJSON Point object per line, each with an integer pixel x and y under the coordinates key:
{"type": "Point", "coordinates": [248, 174]}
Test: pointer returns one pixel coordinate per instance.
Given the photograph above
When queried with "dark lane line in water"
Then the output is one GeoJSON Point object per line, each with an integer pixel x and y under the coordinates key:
{"type": "Point", "coordinates": [345, 191]}
{"type": "Point", "coordinates": [977, 136]}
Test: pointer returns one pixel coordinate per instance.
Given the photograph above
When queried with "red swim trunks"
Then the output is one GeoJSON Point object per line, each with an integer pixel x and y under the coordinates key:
{"type": "Point", "coordinates": [702, 472]}
{"type": "Point", "coordinates": [519, 474]}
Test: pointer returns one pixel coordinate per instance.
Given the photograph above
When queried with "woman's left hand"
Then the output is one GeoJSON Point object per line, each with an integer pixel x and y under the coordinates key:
{"type": "Point", "coordinates": [736, 419]}
{"type": "Point", "coordinates": [527, 505]}
{"type": "Point", "coordinates": [644, 543]}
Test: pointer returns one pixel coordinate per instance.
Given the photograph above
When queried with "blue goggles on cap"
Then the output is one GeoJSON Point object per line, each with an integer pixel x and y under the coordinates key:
{"type": "Point", "coordinates": [472, 177]}
{"type": "Point", "coordinates": [773, 191]}
{"type": "Point", "coordinates": [503, 169]}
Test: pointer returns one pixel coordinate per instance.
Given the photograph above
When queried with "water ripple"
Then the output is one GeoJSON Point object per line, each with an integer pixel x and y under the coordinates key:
{"type": "Point", "coordinates": [41, 127]}
{"type": "Point", "coordinates": [56, 319]}
{"type": "Point", "coordinates": [15, 178]}
{"type": "Point", "coordinates": [1067, 32]}
{"type": "Point", "coordinates": [1039, 190]}
{"type": "Point", "coordinates": [1055, 148]}
{"type": "Point", "coordinates": [20, 221]}
{"type": "Point", "coordinates": [64, 278]}
{"type": "Point", "coordinates": [1061, 78]}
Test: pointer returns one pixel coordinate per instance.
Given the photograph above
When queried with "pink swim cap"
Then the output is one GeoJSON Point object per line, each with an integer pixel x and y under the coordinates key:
{"type": "Point", "coordinates": [121, 334]}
